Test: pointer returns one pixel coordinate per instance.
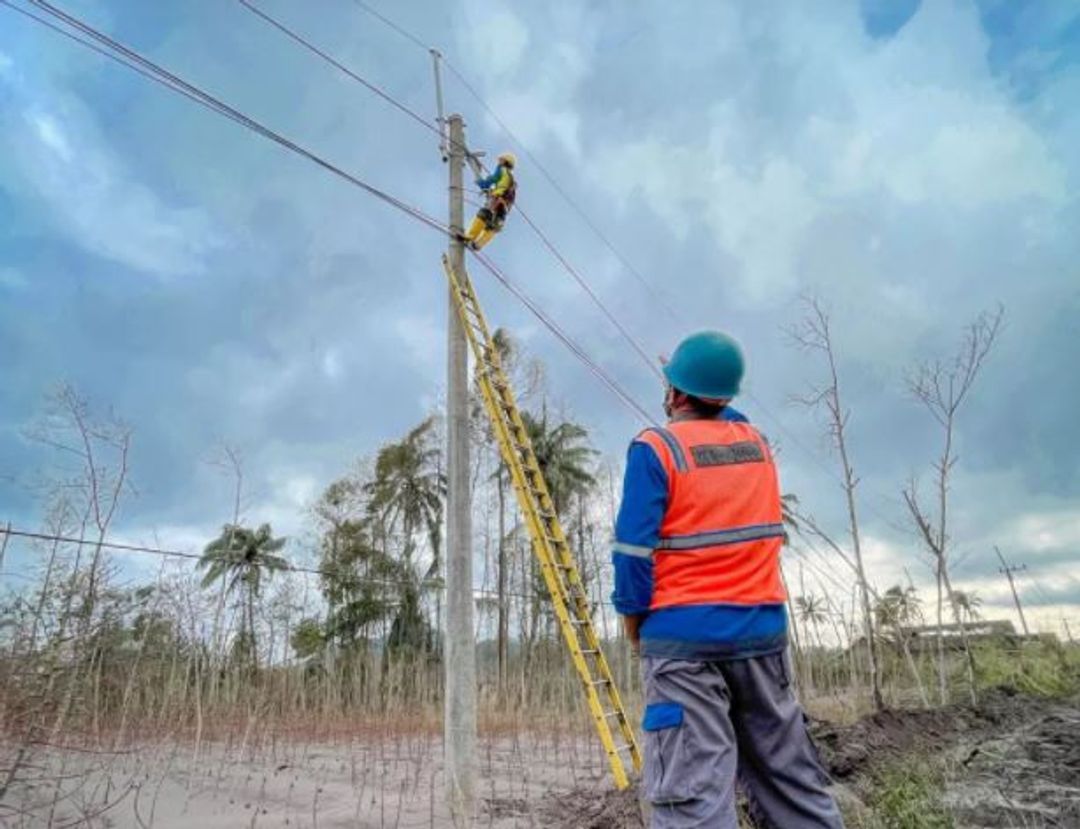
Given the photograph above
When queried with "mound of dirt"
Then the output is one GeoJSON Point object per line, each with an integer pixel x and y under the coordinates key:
{"type": "Point", "coordinates": [881, 739]}
{"type": "Point", "coordinates": [593, 809]}
{"type": "Point", "coordinates": [1012, 760]}
{"type": "Point", "coordinates": [1026, 776]}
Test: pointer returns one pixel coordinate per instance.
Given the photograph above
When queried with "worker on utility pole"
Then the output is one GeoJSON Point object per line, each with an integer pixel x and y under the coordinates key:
{"type": "Point", "coordinates": [500, 190]}
{"type": "Point", "coordinates": [698, 583]}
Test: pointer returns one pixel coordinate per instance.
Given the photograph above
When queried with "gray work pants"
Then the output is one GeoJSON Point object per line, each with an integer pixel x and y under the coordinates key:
{"type": "Point", "coordinates": [705, 722]}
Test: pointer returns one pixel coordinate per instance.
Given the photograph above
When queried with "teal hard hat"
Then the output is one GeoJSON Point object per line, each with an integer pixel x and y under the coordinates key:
{"type": "Point", "coordinates": [708, 364]}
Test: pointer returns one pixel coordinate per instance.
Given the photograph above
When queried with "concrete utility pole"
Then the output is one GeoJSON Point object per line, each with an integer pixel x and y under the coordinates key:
{"type": "Point", "coordinates": [3, 547]}
{"type": "Point", "coordinates": [1008, 571]}
{"type": "Point", "coordinates": [459, 657]}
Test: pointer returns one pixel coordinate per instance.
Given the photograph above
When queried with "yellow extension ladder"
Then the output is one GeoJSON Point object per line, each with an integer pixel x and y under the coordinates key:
{"type": "Point", "coordinates": [548, 540]}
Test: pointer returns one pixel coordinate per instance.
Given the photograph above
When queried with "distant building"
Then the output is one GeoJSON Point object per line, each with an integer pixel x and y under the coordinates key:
{"type": "Point", "coordinates": [923, 638]}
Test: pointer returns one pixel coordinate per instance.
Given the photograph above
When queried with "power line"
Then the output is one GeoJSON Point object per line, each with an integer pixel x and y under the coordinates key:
{"type": "Point", "coordinates": [676, 317]}
{"type": "Point", "coordinates": [175, 83]}
{"type": "Point", "coordinates": [415, 116]}
{"type": "Point", "coordinates": [545, 240]}
{"type": "Point", "coordinates": [292, 35]}
{"type": "Point", "coordinates": [652, 289]}
{"type": "Point", "coordinates": [404, 33]}
{"type": "Point", "coordinates": [154, 72]}
{"type": "Point", "coordinates": [555, 329]}
{"type": "Point", "coordinates": [649, 362]}
{"type": "Point", "coordinates": [99, 50]}
{"type": "Point", "coordinates": [158, 74]}
{"type": "Point", "coordinates": [183, 554]}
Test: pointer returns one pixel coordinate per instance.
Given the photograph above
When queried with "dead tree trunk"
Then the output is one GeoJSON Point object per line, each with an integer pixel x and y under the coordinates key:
{"type": "Point", "coordinates": [942, 388]}
{"type": "Point", "coordinates": [815, 334]}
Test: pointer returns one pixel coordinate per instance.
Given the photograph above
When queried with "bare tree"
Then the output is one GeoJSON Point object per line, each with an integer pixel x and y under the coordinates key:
{"type": "Point", "coordinates": [100, 480]}
{"type": "Point", "coordinates": [814, 334]}
{"type": "Point", "coordinates": [229, 460]}
{"type": "Point", "coordinates": [527, 377]}
{"type": "Point", "coordinates": [941, 388]}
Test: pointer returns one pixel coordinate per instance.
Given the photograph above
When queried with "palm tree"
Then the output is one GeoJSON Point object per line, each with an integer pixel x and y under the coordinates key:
{"type": "Point", "coordinates": [408, 490]}
{"type": "Point", "coordinates": [897, 607]}
{"type": "Point", "coordinates": [564, 456]}
{"type": "Point", "coordinates": [813, 610]}
{"type": "Point", "coordinates": [407, 494]}
{"type": "Point", "coordinates": [896, 610]}
{"type": "Point", "coordinates": [353, 573]}
{"type": "Point", "coordinates": [240, 557]}
{"type": "Point", "coordinates": [967, 604]}
{"type": "Point", "coordinates": [509, 357]}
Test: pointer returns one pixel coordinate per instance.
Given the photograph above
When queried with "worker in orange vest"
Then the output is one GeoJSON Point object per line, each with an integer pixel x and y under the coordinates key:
{"type": "Point", "coordinates": [697, 581]}
{"type": "Point", "coordinates": [500, 189]}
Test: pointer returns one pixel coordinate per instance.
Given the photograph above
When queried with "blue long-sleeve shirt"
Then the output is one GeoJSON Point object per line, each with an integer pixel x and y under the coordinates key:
{"type": "Point", "coordinates": [496, 183]}
{"type": "Point", "coordinates": [688, 631]}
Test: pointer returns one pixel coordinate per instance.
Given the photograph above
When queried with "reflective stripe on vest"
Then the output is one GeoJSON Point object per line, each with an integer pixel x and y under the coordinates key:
{"type": "Point", "coordinates": [722, 530]}
{"type": "Point", "coordinates": [718, 537]}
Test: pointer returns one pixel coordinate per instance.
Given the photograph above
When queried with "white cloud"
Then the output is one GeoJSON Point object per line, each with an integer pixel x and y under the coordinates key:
{"type": "Point", "coordinates": [799, 119]}
{"type": "Point", "coordinates": [278, 378]}
{"type": "Point", "coordinates": [51, 135]}
{"type": "Point", "coordinates": [496, 38]}
{"type": "Point", "coordinates": [530, 82]}
{"type": "Point", "coordinates": [1044, 531]}
{"type": "Point", "coordinates": [918, 123]}
{"type": "Point", "coordinates": [12, 279]}
{"type": "Point", "coordinates": [59, 157]}
{"type": "Point", "coordinates": [423, 340]}
{"type": "Point", "coordinates": [331, 364]}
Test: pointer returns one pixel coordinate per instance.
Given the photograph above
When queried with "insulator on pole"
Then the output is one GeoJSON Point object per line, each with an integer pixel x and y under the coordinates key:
{"type": "Point", "coordinates": [436, 58]}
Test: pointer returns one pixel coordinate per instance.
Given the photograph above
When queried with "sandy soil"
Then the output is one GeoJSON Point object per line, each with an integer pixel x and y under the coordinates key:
{"type": "Point", "coordinates": [387, 783]}
{"type": "Point", "coordinates": [1012, 762]}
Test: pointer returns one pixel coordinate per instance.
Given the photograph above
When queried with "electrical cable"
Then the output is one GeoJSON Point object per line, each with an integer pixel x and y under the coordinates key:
{"type": "Point", "coordinates": [652, 289]}
{"type": "Point", "coordinates": [183, 554]}
{"type": "Point", "coordinates": [175, 83]}
{"type": "Point", "coordinates": [679, 319]}
{"type": "Point", "coordinates": [574, 273]}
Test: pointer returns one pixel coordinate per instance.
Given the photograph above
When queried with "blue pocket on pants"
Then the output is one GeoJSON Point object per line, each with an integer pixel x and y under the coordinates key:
{"type": "Point", "coordinates": [661, 715]}
{"type": "Point", "coordinates": [669, 774]}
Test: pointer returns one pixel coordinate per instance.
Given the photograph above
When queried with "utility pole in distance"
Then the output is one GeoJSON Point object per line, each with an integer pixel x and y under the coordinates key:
{"type": "Point", "coordinates": [459, 656]}
{"type": "Point", "coordinates": [1008, 571]}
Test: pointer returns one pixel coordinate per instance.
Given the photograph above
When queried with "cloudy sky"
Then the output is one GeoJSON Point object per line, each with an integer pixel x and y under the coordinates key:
{"type": "Point", "coordinates": [912, 164]}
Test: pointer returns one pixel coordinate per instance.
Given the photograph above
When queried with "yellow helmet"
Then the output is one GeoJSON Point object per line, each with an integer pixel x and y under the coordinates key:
{"type": "Point", "coordinates": [509, 159]}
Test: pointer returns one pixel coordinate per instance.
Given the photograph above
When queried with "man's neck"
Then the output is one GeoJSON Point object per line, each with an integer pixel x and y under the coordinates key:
{"type": "Point", "coordinates": [689, 413]}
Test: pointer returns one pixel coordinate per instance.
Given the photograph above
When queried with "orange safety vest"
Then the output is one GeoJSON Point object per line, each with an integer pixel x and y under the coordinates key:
{"type": "Point", "coordinates": [721, 535]}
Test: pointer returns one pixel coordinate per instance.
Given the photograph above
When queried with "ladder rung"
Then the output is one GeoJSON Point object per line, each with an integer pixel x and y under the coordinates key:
{"type": "Point", "coordinates": [551, 547]}
{"type": "Point", "coordinates": [562, 567]}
